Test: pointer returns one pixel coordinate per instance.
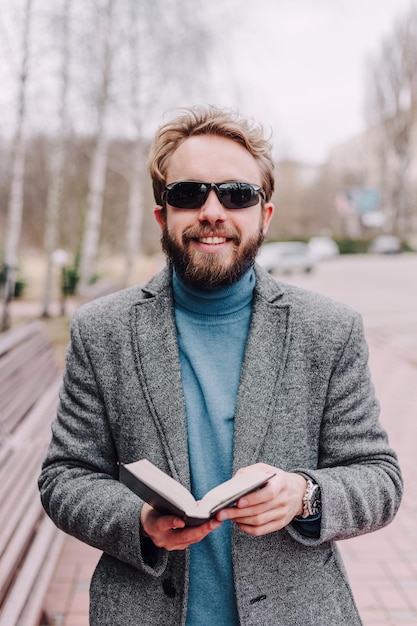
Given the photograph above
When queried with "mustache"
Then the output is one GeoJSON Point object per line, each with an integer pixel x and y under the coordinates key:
{"type": "Point", "coordinates": [196, 232]}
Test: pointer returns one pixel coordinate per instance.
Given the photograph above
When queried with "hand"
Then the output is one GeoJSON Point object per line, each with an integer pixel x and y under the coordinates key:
{"type": "Point", "coordinates": [270, 508]}
{"type": "Point", "coordinates": [170, 532]}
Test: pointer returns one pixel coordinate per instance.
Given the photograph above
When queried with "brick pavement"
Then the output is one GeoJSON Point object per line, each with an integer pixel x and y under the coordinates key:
{"type": "Point", "coordinates": [382, 566]}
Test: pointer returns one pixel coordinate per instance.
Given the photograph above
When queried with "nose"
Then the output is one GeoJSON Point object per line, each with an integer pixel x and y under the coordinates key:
{"type": "Point", "coordinates": [212, 210]}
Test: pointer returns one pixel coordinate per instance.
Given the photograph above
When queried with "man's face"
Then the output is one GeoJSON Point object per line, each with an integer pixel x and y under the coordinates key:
{"type": "Point", "coordinates": [212, 246]}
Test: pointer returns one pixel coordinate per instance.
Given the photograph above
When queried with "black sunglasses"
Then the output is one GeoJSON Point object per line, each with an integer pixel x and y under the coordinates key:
{"type": "Point", "coordinates": [189, 194]}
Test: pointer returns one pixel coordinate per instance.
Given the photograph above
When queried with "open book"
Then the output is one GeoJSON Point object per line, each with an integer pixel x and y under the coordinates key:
{"type": "Point", "coordinates": [168, 496]}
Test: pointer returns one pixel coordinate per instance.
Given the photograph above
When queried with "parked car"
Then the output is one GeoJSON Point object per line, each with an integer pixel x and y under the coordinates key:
{"type": "Point", "coordinates": [286, 257]}
{"type": "Point", "coordinates": [386, 244]}
{"type": "Point", "coordinates": [323, 248]}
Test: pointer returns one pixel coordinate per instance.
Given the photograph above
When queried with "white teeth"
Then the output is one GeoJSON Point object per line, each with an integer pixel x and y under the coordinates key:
{"type": "Point", "coordinates": [213, 240]}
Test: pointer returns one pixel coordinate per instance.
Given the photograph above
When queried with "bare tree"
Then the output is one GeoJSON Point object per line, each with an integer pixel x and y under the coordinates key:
{"type": "Point", "coordinates": [392, 106]}
{"type": "Point", "coordinates": [180, 54]}
{"type": "Point", "coordinates": [55, 192]}
{"type": "Point", "coordinates": [161, 70]}
{"type": "Point", "coordinates": [97, 174]}
{"type": "Point", "coordinates": [135, 205]}
{"type": "Point", "coordinates": [15, 206]}
{"type": "Point", "coordinates": [153, 67]}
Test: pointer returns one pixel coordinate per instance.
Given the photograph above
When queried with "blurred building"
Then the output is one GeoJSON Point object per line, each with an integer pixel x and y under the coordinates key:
{"type": "Point", "coordinates": [377, 181]}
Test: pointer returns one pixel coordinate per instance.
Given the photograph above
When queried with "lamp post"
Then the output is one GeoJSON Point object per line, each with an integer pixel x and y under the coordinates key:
{"type": "Point", "coordinates": [59, 259]}
{"type": "Point", "coordinates": [9, 282]}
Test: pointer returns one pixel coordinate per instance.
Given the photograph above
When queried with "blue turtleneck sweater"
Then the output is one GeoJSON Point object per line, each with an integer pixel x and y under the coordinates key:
{"type": "Point", "coordinates": [212, 329]}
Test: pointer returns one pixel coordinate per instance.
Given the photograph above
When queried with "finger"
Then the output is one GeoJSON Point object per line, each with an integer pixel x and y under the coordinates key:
{"type": "Point", "coordinates": [233, 513]}
{"type": "Point", "coordinates": [193, 534]}
{"type": "Point", "coordinates": [258, 531]}
{"type": "Point", "coordinates": [261, 519]}
{"type": "Point", "coordinates": [261, 496]}
{"type": "Point", "coordinates": [171, 523]}
{"type": "Point", "coordinates": [181, 538]}
{"type": "Point", "coordinates": [268, 493]}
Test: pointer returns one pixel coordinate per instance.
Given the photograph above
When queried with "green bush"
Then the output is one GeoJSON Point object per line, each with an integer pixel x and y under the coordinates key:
{"type": "Point", "coordinates": [69, 280]}
{"type": "Point", "coordinates": [70, 277]}
{"type": "Point", "coordinates": [19, 286]}
{"type": "Point", "coordinates": [352, 246]}
{"type": "Point", "coordinates": [407, 247]}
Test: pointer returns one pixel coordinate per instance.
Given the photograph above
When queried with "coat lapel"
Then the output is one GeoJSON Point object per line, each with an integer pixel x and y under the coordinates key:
{"type": "Point", "coordinates": [158, 365]}
{"type": "Point", "coordinates": [157, 358]}
{"type": "Point", "coordinates": [263, 365]}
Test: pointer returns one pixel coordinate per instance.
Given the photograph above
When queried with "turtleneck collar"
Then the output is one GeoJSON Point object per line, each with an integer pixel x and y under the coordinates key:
{"type": "Point", "coordinates": [216, 301]}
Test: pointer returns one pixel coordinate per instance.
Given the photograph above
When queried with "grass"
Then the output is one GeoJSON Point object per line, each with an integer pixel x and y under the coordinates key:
{"type": "Point", "coordinates": [56, 327]}
{"type": "Point", "coordinates": [58, 330]}
{"type": "Point", "coordinates": [32, 270]}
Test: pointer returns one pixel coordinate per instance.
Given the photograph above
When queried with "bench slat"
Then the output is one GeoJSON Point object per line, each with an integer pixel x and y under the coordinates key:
{"type": "Point", "coordinates": [18, 543]}
{"type": "Point", "coordinates": [30, 544]}
{"type": "Point", "coordinates": [37, 423]}
{"type": "Point", "coordinates": [18, 498]}
{"type": "Point", "coordinates": [29, 591]}
{"type": "Point", "coordinates": [16, 336]}
{"type": "Point", "coordinates": [25, 390]}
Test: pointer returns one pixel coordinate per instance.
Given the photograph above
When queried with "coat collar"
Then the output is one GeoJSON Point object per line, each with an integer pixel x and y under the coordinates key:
{"type": "Point", "coordinates": [263, 365]}
{"type": "Point", "coordinates": [157, 357]}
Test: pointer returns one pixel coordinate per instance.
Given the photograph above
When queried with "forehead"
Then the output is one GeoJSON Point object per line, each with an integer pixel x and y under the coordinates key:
{"type": "Point", "coordinates": [211, 158]}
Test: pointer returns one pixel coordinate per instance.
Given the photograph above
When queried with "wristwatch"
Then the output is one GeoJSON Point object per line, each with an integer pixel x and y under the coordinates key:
{"type": "Point", "coordinates": [311, 500]}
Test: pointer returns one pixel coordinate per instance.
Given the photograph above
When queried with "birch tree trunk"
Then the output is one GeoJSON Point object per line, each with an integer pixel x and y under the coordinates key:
{"type": "Point", "coordinates": [135, 204]}
{"type": "Point", "coordinates": [15, 207]}
{"type": "Point", "coordinates": [135, 214]}
{"type": "Point", "coordinates": [182, 45]}
{"type": "Point", "coordinates": [393, 105]}
{"type": "Point", "coordinates": [97, 180]}
{"type": "Point", "coordinates": [97, 174]}
{"type": "Point", "coordinates": [55, 192]}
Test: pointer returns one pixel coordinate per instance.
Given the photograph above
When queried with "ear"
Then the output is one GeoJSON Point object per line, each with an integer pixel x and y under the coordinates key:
{"type": "Point", "coordinates": [159, 216]}
{"type": "Point", "coordinates": [267, 213]}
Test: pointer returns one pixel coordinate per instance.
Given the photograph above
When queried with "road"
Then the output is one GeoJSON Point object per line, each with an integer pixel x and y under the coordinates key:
{"type": "Point", "coordinates": [382, 288]}
{"type": "Point", "coordinates": [382, 566]}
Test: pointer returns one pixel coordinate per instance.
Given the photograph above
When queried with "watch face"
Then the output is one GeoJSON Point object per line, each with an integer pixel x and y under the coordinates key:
{"type": "Point", "coordinates": [315, 501]}
{"type": "Point", "coordinates": [311, 500]}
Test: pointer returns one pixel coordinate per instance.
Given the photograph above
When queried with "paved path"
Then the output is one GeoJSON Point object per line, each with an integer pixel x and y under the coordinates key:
{"type": "Point", "coordinates": [382, 566]}
{"type": "Point", "coordinates": [383, 289]}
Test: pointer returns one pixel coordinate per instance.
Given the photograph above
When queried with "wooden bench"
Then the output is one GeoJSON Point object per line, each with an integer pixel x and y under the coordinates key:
{"type": "Point", "coordinates": [29, 542]}
{"type": "Point", "coordinates": [96, 290]}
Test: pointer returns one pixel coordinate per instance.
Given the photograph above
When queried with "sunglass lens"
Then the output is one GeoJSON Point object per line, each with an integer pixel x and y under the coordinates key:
{"type": "Point", "coordinates": [238, 195]}
{"type": "Point", "coordinates": [232, 195]}
{"type": "Point", "coordinates": [186, 195]}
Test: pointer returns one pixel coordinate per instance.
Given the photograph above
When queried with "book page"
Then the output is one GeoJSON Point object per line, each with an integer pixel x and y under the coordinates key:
{"type": "Point", "coordinates": [228, 492]}
{"type": "Point", "coordinates": [164, 484]}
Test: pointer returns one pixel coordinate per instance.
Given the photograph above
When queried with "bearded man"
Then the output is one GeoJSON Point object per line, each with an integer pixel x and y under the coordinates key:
{"type": "Point", "coordinates": [210, 369]}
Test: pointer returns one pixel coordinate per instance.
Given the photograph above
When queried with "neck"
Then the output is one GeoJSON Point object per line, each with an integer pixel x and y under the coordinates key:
{"type": "Point", "coordinates": [214, 300]}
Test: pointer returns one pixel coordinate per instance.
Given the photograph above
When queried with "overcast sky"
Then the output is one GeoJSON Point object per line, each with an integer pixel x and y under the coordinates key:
{"type": "Point", "coordinates": [296, 65]}
{"type": "Point", "coordinates": [299, 65]}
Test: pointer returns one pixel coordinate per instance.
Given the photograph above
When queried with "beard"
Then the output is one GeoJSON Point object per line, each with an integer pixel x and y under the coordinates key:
{"type": "Point", "coordinates": [207, 270]}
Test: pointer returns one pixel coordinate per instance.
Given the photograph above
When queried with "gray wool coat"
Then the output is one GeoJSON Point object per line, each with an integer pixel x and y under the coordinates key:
{"type": "Point", "coordinates": [305, 403]}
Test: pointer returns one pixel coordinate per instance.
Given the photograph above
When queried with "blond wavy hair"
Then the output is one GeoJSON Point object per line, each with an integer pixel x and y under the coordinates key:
{"type": "Point", "coordinates": [209, 120]}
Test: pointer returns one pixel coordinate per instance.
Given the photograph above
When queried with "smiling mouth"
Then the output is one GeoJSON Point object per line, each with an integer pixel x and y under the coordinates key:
{"type": "Point", "coordinates": [212, 240]}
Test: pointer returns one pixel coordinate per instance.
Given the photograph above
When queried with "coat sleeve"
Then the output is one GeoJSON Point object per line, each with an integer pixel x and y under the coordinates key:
{"type": "Point", "coordinates": [357, 470]}
{"type": "Point", "coordinates": [79, 484]}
